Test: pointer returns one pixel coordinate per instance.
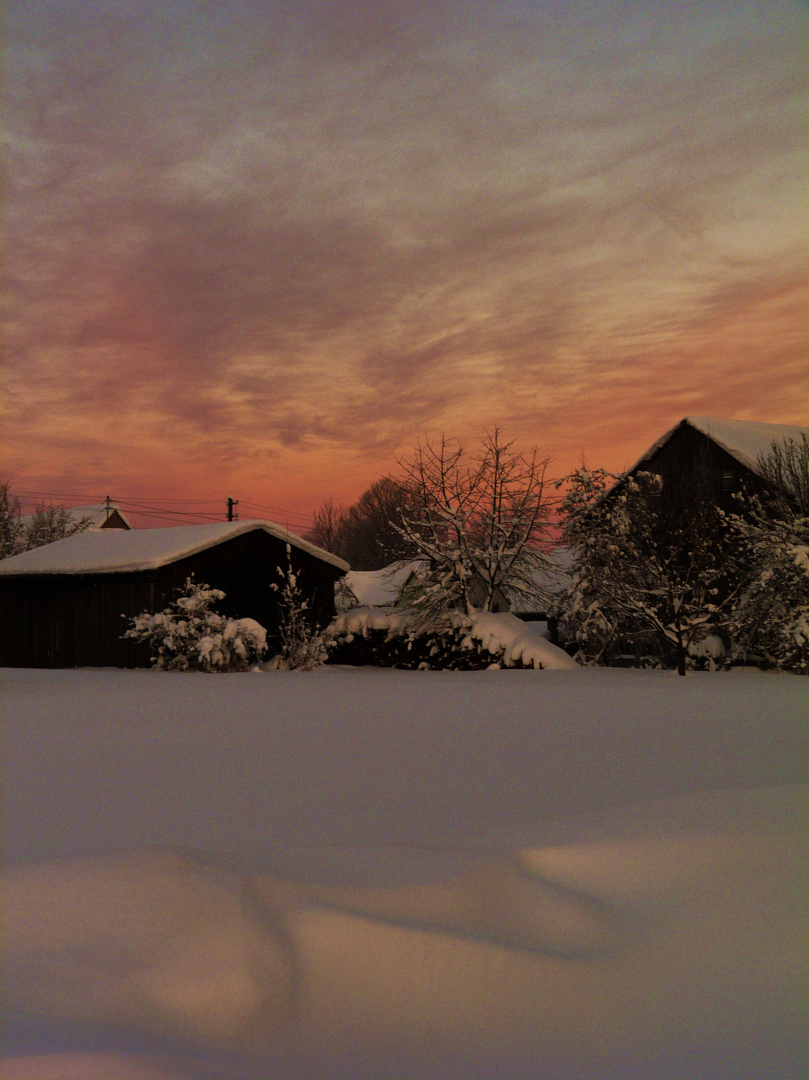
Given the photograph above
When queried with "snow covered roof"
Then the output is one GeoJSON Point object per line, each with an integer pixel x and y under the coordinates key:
{"type": "Point", "coordinates": [121, 550]}
{"type": "Point", "coordinates": [744, 440]}
{"type": "Point", "coordinates": [552, 580]}
{"type": "Point", "coordinates": [383, 588]}
{"type": "Point", "coordinates": [380, 588]}
{"type": "Point", "coordinates": [97, 514]}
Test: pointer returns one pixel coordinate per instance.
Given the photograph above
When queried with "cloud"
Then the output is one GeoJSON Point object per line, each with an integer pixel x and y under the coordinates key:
{"type": "Point", "coordinates": [252, 228]}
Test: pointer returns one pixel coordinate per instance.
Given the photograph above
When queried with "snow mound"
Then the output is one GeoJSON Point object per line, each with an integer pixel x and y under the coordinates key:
{"type": "Point", "coordinates": [506, 634]}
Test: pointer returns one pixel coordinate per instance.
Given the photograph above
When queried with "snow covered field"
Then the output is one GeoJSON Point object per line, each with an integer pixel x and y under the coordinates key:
{"type": "Point", "coordinates": [370, 873]}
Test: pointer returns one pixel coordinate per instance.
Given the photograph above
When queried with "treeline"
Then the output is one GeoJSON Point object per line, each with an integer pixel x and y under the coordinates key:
{"type": "Point", "coordinates": [366, 534]}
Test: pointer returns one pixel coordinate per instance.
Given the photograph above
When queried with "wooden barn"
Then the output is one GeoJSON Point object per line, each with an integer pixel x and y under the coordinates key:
{"type": "Point", "coordinates": [713, 457]}
{"type": "Point", "coordinates": [67, 604]}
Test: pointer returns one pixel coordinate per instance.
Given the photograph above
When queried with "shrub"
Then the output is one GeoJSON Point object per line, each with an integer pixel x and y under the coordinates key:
{"type": "Point", "coordinates": [398, 639]}
{"type": "Point", "coordinates": [189, 636]}
{"type": "Point", "coordinates": [302, 647]}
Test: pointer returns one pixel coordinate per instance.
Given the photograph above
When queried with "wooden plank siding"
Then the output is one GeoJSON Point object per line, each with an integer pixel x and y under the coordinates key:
{"type": "Point", "coordinates": [58, 621]}
{"type": "Point", "coordinates": [76, 620]}
{"type": "Point", "coordinates": [692, 460]}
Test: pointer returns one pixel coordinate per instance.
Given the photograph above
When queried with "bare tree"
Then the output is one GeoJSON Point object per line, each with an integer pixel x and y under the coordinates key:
{"type": "Point", "coordinates": [365, 534]}
{"type": "Point", "coordinates": [480, 523]}
{"type": "Point", "coordinates": [785, 469]}
{"type": "Point", "coordinates": [327, 527]}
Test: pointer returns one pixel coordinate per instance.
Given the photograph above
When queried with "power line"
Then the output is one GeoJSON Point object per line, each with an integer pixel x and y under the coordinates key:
{"type": "Point", "coordinates": [277, 510]}
{"type": "Point", "coordinates": [119, 499]}
{"type": "Point", "coordinates": [160, 508]}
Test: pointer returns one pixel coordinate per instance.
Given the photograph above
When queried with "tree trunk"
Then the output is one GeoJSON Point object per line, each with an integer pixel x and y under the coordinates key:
{"type": "Point", "coordinates": [680, 655]}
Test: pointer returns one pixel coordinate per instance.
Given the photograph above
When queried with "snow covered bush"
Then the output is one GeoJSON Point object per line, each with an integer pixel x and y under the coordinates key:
{"type": "Point", "coordinates": [398, 639]}
{"type": "Point", "coordinates": [302, 646]}
{"type": "Point", "coordinates": [189, 636]}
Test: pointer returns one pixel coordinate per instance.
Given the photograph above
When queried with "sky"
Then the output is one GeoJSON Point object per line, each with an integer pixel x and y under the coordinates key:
{"type": "Point", "coordinates": [260, 249]}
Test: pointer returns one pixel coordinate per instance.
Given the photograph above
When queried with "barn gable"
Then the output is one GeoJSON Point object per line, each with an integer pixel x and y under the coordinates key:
{"type": "Point", "coordinates": [718, 457]}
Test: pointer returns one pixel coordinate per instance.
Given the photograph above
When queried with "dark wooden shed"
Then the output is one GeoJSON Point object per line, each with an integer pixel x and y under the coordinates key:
{"type": "Point", "coordinates": [68, 603]}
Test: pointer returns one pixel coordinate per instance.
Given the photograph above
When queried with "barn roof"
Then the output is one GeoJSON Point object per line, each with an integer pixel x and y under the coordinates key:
{"type": "Point", "coordinates": [120, 550]}
{"type": "Point", "coordinates": [744, 440]}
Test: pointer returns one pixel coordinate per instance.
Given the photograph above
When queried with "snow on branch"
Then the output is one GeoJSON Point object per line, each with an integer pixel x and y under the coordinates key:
{"type": "Point", "coordinates": [479, 521]}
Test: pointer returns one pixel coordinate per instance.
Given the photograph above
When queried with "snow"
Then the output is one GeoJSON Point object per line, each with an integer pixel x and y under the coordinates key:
{"type": "Point", "coordinates": [383, 588]}
{"type": "Point", "coordinates": [380, 588]}
{"type": "Point", "coordinates": [119, 550]}
{"type": "Point", "coordinates": [744, 440]}
{"type": "Point", "coordinates": [369, 873]}
{"type": "Point", "coordinates": [506, 634]}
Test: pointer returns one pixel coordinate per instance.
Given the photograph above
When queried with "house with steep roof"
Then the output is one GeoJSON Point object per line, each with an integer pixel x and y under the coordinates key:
{"type": "Point", "coordinates": [723, 455]}
{"type": "Point", "coordinates": [106, 515]}
{"type": "Point", "coordinates": [66, 604]}
{"type": "Point", "coordinates": [705, 466]}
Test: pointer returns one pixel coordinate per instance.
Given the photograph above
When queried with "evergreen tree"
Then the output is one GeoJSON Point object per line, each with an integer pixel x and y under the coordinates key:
{"type": "Point", "coordinates": [189, 635]}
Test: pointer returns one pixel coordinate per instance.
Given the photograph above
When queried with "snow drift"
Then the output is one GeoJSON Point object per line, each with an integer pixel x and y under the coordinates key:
{"type": "Point", "coordinates": [392, 874]}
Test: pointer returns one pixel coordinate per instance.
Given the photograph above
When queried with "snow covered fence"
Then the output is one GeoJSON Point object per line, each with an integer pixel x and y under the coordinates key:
{"type": "Point", "coordinates": [487, 640]}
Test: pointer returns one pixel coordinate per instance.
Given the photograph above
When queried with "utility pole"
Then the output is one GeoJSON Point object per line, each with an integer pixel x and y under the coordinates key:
{"type": "Point", "coordinates": [231, 504]}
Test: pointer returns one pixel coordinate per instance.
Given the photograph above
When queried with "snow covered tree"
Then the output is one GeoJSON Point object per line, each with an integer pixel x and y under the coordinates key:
{"type": "Point", "coordinates": [585, 608]}
{"type": "Point", "coordinates": [302, 646]}
{"type": "Point", "coordinates": [647, 564]}
{"type": "Point", "coordinates": [478, 522]}
{"type": "Point", "coordinates": [189, 635]}
{"type": "Point", "coordinates": [49, 523]}
{"type": "Point", "coordinates": [772, 616]}
{"type": "Point", "coordinates": [46, 524]}
{"type": "Point", "coordinates": [11, 527]}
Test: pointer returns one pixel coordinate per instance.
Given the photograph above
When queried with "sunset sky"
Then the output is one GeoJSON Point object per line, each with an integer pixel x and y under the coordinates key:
{"type": "Point", "coordinates": [258, 249]}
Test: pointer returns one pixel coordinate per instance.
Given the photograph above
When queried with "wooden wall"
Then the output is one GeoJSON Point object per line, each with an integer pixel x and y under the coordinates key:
{"type": "Point", "coordinates": [58, 621]}
{"type": "Point", "coordinates": [691, 465]}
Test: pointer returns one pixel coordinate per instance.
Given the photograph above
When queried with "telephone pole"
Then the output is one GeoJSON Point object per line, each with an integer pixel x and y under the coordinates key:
{"type": "Point", "coordinates": [231, 504]}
